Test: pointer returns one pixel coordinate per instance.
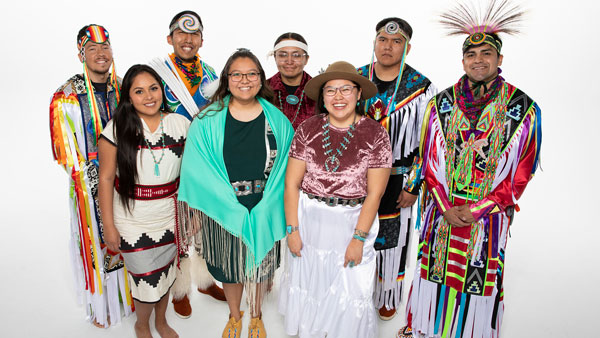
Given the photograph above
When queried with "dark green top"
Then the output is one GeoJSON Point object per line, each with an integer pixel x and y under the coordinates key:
{"type": "Point", "coordinates": [245, 154]}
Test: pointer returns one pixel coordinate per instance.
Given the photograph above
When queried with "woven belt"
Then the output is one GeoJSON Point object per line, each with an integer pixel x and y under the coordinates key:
{"type": "Point", "coordinates": [243, 188]}
{"type": "Point", "coordinates": [152, 192]}
{"type": "Point", "coordinates": [333, 201]}
{"type": "Point", "coordinates": [400, 170]}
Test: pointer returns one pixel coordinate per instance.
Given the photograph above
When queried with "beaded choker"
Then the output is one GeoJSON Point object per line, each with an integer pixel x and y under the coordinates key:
{"type": "Point", "coordinates": [332, 163]}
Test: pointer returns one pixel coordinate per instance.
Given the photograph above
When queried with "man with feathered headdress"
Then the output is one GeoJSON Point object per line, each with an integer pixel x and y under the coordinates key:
{"type": "Point", "coordinates": [79, 110]}
{"type": "Point", "coordinates": [480, 143]}
{"type": "Point", "coordinates": [402, 94]}
{"type": "Point", "coordinates": [187, 80]}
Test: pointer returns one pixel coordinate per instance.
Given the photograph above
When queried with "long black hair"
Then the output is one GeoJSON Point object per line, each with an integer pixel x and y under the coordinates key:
{"type": "Point", "coordinates": [129, 133]}
{"type": "Point", "coordinates": [223, 90]}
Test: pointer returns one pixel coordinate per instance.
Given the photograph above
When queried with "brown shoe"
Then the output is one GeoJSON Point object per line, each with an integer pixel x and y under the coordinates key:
{"type": "Point", "coordinates": [386, 314]}
{"type": "Point", "coordinates": [214, 291]}
{"type": "Point", "coordinates": [182, 307]}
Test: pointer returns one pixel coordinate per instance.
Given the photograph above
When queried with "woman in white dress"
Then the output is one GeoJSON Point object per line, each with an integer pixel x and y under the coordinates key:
{"type": "Point", "coordinates": [140, 155]}
{"type": "Point", "coordinates": [338, 167]}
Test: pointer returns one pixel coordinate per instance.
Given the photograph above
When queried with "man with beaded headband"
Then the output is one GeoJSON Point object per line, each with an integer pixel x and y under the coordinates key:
{"type": "Point", "coordinates": [480, 143]}
{"type": "Point", "coordinates": [402, 95]}
{"type": "Point", "coordinates": [186, 80]}
{"type": "Point", "coordinates": [79, 110]}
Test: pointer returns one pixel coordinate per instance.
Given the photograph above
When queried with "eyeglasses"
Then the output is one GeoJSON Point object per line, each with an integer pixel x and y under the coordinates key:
{"type": "Point", "coordinates": [345, 90]}
{"type": "Point", "coordinates": [284, 55]}
{"type": "Point", "coordinates": [237, 77]}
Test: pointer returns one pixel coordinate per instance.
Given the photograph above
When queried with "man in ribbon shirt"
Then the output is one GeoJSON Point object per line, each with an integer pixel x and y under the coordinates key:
{"type": "Point", "coordinates": [402, 95]}
{"type": "Point", "coordinates": [186, 79]}
{"type": "Point", "coordinates": [79, 110]}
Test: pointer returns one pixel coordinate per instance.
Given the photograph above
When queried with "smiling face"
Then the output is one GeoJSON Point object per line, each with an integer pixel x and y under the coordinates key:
{"type": "Point", "coordinates": [341, 108]}
{"type": "Point", "coordinates": [290, 63]}
{"type": "Point", "coordinates": [185, 45]}
{"type": "Point", "coordinates": [389, 49]}
{"type": "Point", "coordinates": [145, 95]}
{"type": "Point", "coordinates": [246, 89]}
{"type": "Point", "coordinates": [98, 58]}
{"type": "Point", "coordinates": [481, 63]}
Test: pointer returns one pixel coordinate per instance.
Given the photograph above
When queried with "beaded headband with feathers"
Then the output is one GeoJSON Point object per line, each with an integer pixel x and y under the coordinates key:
{"type": "Point", "coordinates": [500, 16]}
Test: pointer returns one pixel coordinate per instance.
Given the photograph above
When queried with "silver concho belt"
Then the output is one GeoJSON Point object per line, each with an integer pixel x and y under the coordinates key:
{"type": "Point", "coordinates": [243, 188]}
{"type": "Point", "coordinates": [333, 201]}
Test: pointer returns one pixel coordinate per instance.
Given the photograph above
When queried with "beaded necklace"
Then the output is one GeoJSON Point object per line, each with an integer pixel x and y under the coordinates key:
{"type": "Point", "coordinates": [332, 163]}
{"type": "Point", "coordinates": [288, 101]}
{"type": "Point", "coordinates": [190, 72]}
{"type": "Point", "coordinates": [162, 137]}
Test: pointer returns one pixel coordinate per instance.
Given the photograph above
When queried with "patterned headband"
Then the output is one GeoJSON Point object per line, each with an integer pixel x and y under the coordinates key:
{"type": "Point", "coordinates": [481, 38]}
{"type": "Point", "coordinates": [94, 33]}
{"type": "Point", "coordinates": [392, 27]}
{"type": "Point", "coordinates": [188, 23]}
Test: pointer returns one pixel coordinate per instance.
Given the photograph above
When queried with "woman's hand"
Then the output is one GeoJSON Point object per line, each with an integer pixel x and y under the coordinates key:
{"type": "Point", "coordinates": [294, 243]}
{"type": "Point", "coordinates": [112, 238]}
{"type": "Point", "coordinates": [354, 253]}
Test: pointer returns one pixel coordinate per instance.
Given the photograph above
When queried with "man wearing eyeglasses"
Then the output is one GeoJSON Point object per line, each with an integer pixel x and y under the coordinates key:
{"type": "Point", "coordinates": [291, 55]}
{"type": "Point", "coordinates": [399, 104]}
{"type": "Point", "coordinates": [187, 81]}
{"type": "Point", "coordinates": [79, 110]}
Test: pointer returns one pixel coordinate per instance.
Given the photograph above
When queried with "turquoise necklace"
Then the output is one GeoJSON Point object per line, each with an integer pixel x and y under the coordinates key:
{"type": "Point", "coordinates": [332, 163]}
{"type": "Point", "coordinates": [291, 99]}
{"type": "Point", "coordinates": [162, 138]}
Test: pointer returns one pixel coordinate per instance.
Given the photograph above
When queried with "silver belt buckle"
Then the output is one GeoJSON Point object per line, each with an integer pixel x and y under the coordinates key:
{"type": "Point", "coordinates": [247, 190]}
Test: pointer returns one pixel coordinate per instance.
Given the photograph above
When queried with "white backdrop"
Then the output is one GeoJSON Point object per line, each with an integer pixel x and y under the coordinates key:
{"type": "Point", "coordinates": [552, 278]}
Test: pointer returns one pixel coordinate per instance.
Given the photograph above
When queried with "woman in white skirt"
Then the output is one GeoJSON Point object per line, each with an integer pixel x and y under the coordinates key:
{"type": "Point", "coordinates": [339, 164]}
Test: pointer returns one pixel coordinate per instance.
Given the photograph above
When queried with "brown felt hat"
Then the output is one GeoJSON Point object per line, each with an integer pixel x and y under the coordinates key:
{"type": "Point", "coordinates": [336, 71]}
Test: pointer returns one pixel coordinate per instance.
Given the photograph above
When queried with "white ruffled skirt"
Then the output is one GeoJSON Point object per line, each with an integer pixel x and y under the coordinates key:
{"type": "Point", "coordinates": [318, 295]}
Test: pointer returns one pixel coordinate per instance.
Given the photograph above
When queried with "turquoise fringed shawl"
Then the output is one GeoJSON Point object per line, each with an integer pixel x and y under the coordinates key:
{"type": "Point", "coordinates": [205, 184]}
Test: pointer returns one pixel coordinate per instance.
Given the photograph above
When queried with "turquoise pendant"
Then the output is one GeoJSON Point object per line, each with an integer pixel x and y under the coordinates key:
{"type": "Point", "coordinates": [292, 99]}
{"type": "Point", "coordinates": [156, 170]}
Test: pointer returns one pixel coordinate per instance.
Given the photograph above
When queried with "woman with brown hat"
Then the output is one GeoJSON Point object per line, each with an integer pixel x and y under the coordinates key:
{"type": "Point", "coordinates": [338, 167]}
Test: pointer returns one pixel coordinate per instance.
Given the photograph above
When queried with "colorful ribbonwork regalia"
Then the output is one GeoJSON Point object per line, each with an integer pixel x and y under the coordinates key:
{"type": "Point", "coordinates": [480, 153]}
{"type": "Point", "coordinates": [79, 110]}
{"type": "Point", "coordinates": [232, 181]}
{"type": "Point", "coordinates": [185, 82]}
{"type": "Point", "coordinates": [398, 107]}
{"type": "Point", "coordinates": [147, 227]}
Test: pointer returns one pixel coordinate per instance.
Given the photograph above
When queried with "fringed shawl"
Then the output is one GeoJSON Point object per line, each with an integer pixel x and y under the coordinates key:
{"type": "Point", "coordinates": [205, 184]}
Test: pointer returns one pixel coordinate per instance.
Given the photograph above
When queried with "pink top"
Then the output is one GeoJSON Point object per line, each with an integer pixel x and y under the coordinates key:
{"type": "Point", "coordinates": [370, 148]}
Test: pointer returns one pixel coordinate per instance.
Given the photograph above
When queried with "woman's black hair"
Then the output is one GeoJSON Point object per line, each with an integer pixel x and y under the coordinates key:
{"type": "Point", "coordinates": [223, 90]}
{"type": "Point", "coordinates": [320, 106]}
{"type": "Point", "coordinates": [129, 133]}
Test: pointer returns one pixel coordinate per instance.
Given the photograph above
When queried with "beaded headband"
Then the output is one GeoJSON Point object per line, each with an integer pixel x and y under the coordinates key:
{"type": "Point", "coordinates": [289, 43]}
{"type": "Point", "coordinates": [94, 33]}
{"type": "Point", "coordinates": [188, 23]}
{"type": "Point", "coordinates": [392, 27]}
{"type": "Point", "coordinates": [481, 38]}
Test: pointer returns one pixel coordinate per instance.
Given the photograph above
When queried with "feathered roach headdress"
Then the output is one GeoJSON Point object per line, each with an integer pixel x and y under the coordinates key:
{"type": "Point", "coordinates": [501, 16]}
{"type": "Point", "coordinates": [97, 34]}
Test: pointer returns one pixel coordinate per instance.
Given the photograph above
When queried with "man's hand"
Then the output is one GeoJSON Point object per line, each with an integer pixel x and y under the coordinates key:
{"type": "Point", "coordinates": [405, 199]}
{"type": "Point", "coordinates": [455, 216]}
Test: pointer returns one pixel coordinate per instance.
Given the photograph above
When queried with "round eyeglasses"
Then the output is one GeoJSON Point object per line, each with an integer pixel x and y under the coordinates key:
{"type": "Point", "coordinates": [345, 90]}
{"type": "Point", "coordinates": [237, 77]}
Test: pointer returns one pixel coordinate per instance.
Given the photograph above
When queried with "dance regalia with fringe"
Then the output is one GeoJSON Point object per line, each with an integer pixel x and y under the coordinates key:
{"type": "Point", "coordinates": [294, 113]}
{"type": "Point", "coordinates": [100, 277]}
{"type": "Point", "coordinates": [204, 73]}
{"type": "Point", "coordinates": [207, 198]}
{"type": "Point", "coordinates": [484, 160]}
{"type": "Point", "coordinates": [403, 123]}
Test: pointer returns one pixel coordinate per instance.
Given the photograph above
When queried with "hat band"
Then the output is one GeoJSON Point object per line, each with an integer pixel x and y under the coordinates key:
{"type": "Point", "coordinates": [480, 38]}
{"type": "Point", "coordinates": [94, 33]}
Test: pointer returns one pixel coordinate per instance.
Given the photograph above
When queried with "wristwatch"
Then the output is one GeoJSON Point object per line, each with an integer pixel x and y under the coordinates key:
{"type": "Point", "coordinates": [291, 228]}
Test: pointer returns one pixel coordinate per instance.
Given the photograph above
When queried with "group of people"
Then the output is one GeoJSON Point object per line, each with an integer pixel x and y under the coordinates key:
{"type": "Point", "coordinates": [178, 175]}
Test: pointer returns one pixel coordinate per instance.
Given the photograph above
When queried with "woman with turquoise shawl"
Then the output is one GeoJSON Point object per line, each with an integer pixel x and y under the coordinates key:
{"type": "Point", "coordinates": [232, 182]}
